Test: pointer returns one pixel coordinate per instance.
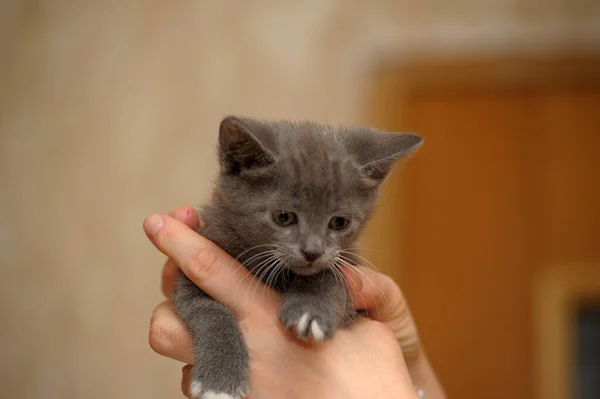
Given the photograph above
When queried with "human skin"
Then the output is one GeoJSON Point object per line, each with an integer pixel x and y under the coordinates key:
{"type": "Point", "coordinates": [364, 360]}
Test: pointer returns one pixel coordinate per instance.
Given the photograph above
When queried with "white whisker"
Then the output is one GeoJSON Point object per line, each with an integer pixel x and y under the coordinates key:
{"type": "Point", "coordinates": [264, 272]}
{"type": "Point", "coordinates": [237, 258]}
{"type": "Point", "coordinates": [339, 277]}
{"type": "Point", "coordinates": [257, 271]}
{"type": "Point", "coordinates": [356, 268]}
{"type": "Point", "coordinates": [362, 258]}
{"type": "Point", "coordinates": [275, 270]}
{"type": "Point", "coordinates": [254, 258]}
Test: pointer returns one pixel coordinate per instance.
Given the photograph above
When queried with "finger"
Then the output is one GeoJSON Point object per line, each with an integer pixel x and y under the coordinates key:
{"type": "Point", "coordinates": [354, 285]}
{"type": "Point", "coordinates": [168, 336]}
{"type": "Point", "coordinates": [186, 378]}
{"type": "Point", "coordinates": [207, 265]}
{"type": "Point", "coordinates": [169, 276]}
{"type": "Point", "coordinates": [377, 291]}
{"type": "Point", "coordinates": [186, 215]}
{"type": "Point", "coordinates": [384, 302]}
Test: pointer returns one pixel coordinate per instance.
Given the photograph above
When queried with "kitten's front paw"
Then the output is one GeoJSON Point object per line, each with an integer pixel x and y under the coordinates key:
{"type": "Point", "coordinates": [307, 321]}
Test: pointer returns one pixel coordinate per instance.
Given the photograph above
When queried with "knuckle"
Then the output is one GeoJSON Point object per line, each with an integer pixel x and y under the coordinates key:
{"type": "Point", "coordinates": [203, 263]}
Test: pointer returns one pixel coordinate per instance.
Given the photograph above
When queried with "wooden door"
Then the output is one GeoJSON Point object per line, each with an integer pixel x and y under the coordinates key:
{"type": "Point", "coordinates": [506, 185]}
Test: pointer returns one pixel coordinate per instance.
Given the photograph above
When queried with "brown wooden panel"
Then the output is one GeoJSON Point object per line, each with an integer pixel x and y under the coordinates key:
{"type": "Point", "coordinates": [570, 120]}
{"type": "Point", "coordinates": [465, 231]}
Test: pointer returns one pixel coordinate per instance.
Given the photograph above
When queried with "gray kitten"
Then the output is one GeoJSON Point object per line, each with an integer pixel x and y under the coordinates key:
{"type": "Point", "coordinates": [291, 198]}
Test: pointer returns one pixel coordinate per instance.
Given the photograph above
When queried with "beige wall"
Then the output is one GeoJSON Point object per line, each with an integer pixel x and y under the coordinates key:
{"type": "Point", "coordinates": [109, 110]}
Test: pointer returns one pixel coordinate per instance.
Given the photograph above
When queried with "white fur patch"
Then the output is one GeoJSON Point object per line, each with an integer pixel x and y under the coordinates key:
{"type": "Point", "coordinates": [303, 323]}
{"type": "Point", "coordinates": [195, 389]}
{"type": "Point", "coordinates": [196, 393]}
{"type": "Point", "coordinates": [214, 395]}
{"type": "Point", "coordinates": [316, 331]}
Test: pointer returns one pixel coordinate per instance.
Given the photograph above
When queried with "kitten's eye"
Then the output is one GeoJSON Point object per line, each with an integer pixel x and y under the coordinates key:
{"type": "Point", "coordinates": [338, 223]}
{"type": "Point", "coordinates": [284, 218]}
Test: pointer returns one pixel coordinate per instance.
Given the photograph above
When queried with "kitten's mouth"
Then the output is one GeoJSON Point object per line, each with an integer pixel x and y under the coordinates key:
{"type": "Point", "coordinates": [307, 269]}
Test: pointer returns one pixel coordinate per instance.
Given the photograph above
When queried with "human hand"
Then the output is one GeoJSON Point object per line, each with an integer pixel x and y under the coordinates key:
{"type": "Point", "coordinates": [382, 298]}
{"type": "Point", "coordinates": [363, 360]}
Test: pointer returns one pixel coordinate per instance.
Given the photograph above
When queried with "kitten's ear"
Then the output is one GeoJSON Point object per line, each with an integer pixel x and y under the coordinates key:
{"type": "Point", "coordinates": [240, 145]}
{"type": "Point", "coordinates": [377, 152]}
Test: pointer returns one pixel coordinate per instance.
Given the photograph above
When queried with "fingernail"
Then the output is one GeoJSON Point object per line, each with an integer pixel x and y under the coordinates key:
{"type": "Point", "coordinates": [154, 224]}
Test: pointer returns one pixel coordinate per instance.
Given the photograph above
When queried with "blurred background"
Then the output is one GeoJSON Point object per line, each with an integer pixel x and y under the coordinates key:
{"type": "Point", "coordinates": [109, 111]}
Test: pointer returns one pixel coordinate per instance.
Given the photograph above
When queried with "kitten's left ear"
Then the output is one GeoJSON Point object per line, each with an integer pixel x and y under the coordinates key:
{"type": "Point", "coordinates": [377, 152]}
{"type": "Point", "coordinates": [242, 145]}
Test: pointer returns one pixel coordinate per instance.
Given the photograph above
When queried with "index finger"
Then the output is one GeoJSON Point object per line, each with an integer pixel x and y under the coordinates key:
{"type": "Point", "coordinates": [188, 216]}
{"type": "Point", "coordinates": [206, 265]}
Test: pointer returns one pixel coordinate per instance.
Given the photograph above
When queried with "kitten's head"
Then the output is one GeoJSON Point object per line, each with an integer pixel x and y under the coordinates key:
{"type": "Point", "coordinates": [302, 190]}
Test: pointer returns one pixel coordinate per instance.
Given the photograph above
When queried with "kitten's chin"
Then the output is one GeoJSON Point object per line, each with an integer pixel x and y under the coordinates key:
{"type": "Point", "coordinates": [306, 270]}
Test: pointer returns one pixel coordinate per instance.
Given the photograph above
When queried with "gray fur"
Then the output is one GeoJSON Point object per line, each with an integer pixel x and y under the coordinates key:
{"type": "Point", "coordinates": [315, 171]}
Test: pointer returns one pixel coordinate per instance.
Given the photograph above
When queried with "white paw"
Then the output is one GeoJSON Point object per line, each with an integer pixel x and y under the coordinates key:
{"type": "Point", "coordinates": [307, 325]}
{"type": "Point", "coordinates": [196, 393]}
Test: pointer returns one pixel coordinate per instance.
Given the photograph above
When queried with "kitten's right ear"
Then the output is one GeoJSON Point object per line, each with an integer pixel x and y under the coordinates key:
{"type": "Point", "coordinates": [377, 152]}
{"type": "Point", "coordinates": [240, 147]}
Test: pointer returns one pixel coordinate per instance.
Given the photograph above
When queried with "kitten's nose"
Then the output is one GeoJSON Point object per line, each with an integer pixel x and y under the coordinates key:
{"type": "Point", "coordinates": [311, 256]}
